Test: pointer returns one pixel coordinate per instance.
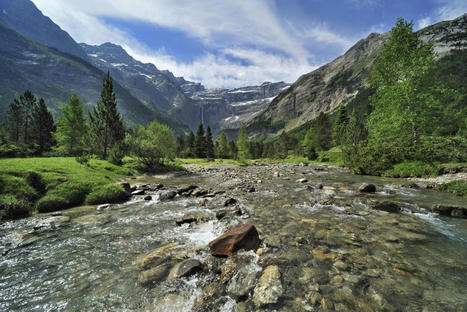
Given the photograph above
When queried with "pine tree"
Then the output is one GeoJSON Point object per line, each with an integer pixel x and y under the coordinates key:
{"type": "Point", "coordinates": [14, 121]}
{"type": "Point", "coordinates": [200, 142]}
{"type": "Point", "coordinates": [28, 102]}
{"type": "Point", "coordinates": [72, 127]}
{"type": "Point", "coordinates": [190, 145]}
{"type": "Point", "coordinates": [180, 145]}
{"type": "Point", "coordinates": [209, 144]}
{"type": "Point", "coordinates": [340, 124]}
{"type": "Point", "coordinates": [323, 132]}
{"type": "Point", "coordinates": [43, 126]}
{"type": "Point", "coordinates": [243, 145]}
{"type": "Point", "coordinates": [106, 123]}
{"type": "Point", "coordinates": [308, 145]}
{"type": "Point", "coordinates": [223, 150]}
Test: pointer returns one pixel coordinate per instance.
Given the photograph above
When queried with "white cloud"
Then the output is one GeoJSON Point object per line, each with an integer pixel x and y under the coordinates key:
{"type": "Point", "coordinates": [451, 9]}
{"type": "Point", "coordinates": [424, 22]}
{"type": "Point", "coordinates": [226, 26]}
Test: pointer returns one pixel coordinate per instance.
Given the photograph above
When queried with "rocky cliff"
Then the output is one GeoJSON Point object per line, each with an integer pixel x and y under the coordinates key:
{"type": "Point", "coordinates": [342, 79]}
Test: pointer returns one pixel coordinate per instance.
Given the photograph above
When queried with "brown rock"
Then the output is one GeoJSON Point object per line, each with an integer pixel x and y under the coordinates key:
{"type": "Point", "coordinates": [367, 188]}
{"type": "Point", "coordinates": [387, 206]}
{"type": "Point", "coordinates": [242, 237]}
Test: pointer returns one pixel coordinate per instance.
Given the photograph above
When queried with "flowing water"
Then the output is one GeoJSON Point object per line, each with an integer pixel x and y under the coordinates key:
{"type": "Point", "coordinates": [341, 255]}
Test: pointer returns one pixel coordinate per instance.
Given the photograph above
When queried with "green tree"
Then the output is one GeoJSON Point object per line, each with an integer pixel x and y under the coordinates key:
{"type": "Point", "coordinates": [308, 145]}
{"type": "Point", "coordinates": [200, 142]}
{"type": "Point", "coordinates": [150, 146]}
{"type": "Point", "coordinates": [243, 143]}
{"type": "Point", "coordinates": [14, 121]}
{"type": "Point", "coordinates": [190, 145]}
{"type": "Point", "coordinates": [406, 103]}
{"type": "Point", "coordinates": [223, 150]}
{"type": "Point", "coordinates": [322, 132]}
{"type": "Point", "coordinates": [28, 103]}
{"type": "Point", "coordinates": [106, 124]}
{"type": "Point", "coordinates": [72, 128]}
{"type": "Point", "coordinates": [43, 127]}
{"type": "Point", "coordinates": [180, 145]}
{"type": "Point", "coordinates": [340, 124]}
{"type": "Point", "coordinates": [209, 144]}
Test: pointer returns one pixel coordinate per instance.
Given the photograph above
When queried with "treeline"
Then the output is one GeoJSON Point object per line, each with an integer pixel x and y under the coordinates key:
{"type": "Point", "coordinates": [30, 130]}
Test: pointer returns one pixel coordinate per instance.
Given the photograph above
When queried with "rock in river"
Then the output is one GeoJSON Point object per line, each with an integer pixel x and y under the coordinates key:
{"type": "Point", "coordinates": [189, 267]}
{"type": "Point", "coordinates": [190, 218]}
{"type": "Point", "coordinates": [167, 195]}
{"type": "Point", "coordinates": [452, 211]}
{"type": "Point", "coordinates": [387, 206]}
{"type": "Point", "coordinates": [367, 188]}
{"type": "Point", "coordinates": [155, 257]}
{"type": "Point", "coordinates": [269, 287]}
{"type": "Point", "coordinates": [155, 274]}
{"type": "Point", "coordinates": [230, 201]}
{"type": "Point", "coordinates": [242, 237]}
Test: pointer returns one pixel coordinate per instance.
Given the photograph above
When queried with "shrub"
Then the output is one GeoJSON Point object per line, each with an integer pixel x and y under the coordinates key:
{"type": "Point", "coordinates": [458, 188]}
{"type": "Point", "coordinates": [110, 193]}
{"type": "Point", "coordinates": [50, 203]}
{"type": "Point", "coordinates": [409, 169]}
{"type": "Point", "coordinates": [83, 159]}
{"type": "Point", "coordinates": [35, 180]}
{"type": "Point", "coordinates": [18, 187]}
{"type": "Point", "coordinates": [14, 208]}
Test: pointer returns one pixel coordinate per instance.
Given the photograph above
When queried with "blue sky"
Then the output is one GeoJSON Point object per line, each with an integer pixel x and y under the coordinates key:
{"type": "Point", "coordinates": [239, 42]}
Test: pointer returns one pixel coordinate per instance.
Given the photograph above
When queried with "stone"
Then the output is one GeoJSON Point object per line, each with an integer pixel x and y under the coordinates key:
{"type": "Point", "coordinates": [230, 201]}
{"type": "Point", "coordinates": [126, 186]}
{"type": "Point", "coordinates": [340, 265]}
{"type": "Point", "coordinates": [367, 188]}
{"type": "Point", "coordinates": [387, 206]}
{"type": "Point", "coordinates": [326, 201]}
{"type": "Point", "coordinates": [303, 180]}
{"type": "Point", "coordinates": [244, 280]}
{"type": "Point", "coordinates": [155, 274]}
{"type": "Point", "coordinates": [148, 197]}
{"type": "Point", "coordinates": [269, 287]}
{"type": "Point", "coordinates": [138, 192]}
{"type": "Point", "coordinates": [276, 174]}
{"type": "Point", "coordinates": [155, 257]}
{"type": "Point", "coordinates": [242, 237]}
{"type": "Point", "coordinates": [322, 254]}
{"type": "Point", "coordinates": [103, 207]}
{"type": "Point", "coordinates": [251, 189]}
{"type": "Point", "coordinates": [188, 268]}
{"type": "Point", "coordinates": [450, 211]}
{"type": "Point", "coordinates": [190, 218]}
{"type": "Point", "coordinates": [168, 195]}
{"type": "Point", "coordinates": [199, 192]}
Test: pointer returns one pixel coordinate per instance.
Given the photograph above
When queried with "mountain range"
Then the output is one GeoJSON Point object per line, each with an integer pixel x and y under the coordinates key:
{"type": "Point", "coordinates": [37, 54]}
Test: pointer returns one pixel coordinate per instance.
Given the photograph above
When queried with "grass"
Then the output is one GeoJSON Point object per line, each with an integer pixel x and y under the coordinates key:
{"type": "Point", "coordinates": [411, 169]}
{"type": "Point", "coordinates": [54, 183]}
{"type": "Point", "coordinates": [205, 162]}
{"type": "Point", "coordinates": [458, 188]}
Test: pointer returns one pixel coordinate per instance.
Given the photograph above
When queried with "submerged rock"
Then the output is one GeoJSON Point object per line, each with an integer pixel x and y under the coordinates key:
{"type": "Point", "coordinates": [188, 268]}
{"type": "Point", "coordinates": [168, 195]}
{"type": "Point", "coordinates": [155, 274]}
{"type": "Point", "coordinates": [155, 257]}
{"type": "Point", "coordinates": [148, 197]}
{"type": "Point", "coordinates": [269, 287]}
{"type": "Point", "coordinates": [450, 211]}
{"type": "Point", "coordinates": [387, 206]}
{"type": "Point", "coordinates": [230, 201]}
{"type": "Point", "coordinates": [190, 218]}
{"type": "Point", "coordinates": [242, 237]}
{"type": "Point", "coordinates": [367, 188]}
{"type": "Point", "coordinates": [303, 180]}
{"type": "Point", "coordinates": [138, 192]}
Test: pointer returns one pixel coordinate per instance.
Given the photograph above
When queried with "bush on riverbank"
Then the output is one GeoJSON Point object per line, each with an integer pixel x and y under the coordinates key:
{"type": "Point", "coordinates": [14, 208]}
{"type": "Point", "coordinates": [458, 188]}
{"type": "Point", "coordinates": [53, 183]}
{"type": "Point", "coordinates": [110, 193]}
{"type": "Point", "coordinates": [412, 169]}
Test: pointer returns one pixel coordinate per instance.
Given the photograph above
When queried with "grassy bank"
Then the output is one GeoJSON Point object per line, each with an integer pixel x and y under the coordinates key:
{"type": "Point", "coordinates": [28, 185]}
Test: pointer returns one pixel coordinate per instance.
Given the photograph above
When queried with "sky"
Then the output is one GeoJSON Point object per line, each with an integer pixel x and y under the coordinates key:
{"type": "Point", "coordinates": [234, 43]}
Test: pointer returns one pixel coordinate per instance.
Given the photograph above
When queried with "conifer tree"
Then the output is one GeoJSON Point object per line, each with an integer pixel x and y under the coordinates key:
{"type": "Point", "coordinates": [323, 132]}
{"type": "Point", "coordinates": [223, 150]}
{"type": "Point", "coordinates": [43, 126]}
{"type": "Point", "coordinates": [106, 124]}
{"type": "Point", "coordinates": [28, 102]}
{"type": "Point", "coordinates": [14, 121]}
{"type": "Point", "coordinates": [308, 145]}
{"type": "Point", "coordinates": [340, 124]}
{"type": "Point", "coordinates": [209, 144]}
{"type": "Point", "coordinates": [190, 145]}
{"type": "Point", "coordinates": [72, 127]}
{"type": "Point", "coordinates": [200, 142]}
{"type": "Point", "coordinates": [243, 143]}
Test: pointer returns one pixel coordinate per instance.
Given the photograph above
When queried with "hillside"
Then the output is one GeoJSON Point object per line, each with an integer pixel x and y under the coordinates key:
{"type": "Point", "coordinates": [343, 79]}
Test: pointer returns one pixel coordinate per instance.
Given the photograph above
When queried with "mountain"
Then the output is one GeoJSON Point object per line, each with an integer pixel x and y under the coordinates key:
{"type": "Point", "coordinates": [25, 17]}
{"type": "Point", "coordinates": [186, 101]}
{"type": "Point", "coordinates": [53, 75]}
{"type": "Point", "coordinates": [343, 79]}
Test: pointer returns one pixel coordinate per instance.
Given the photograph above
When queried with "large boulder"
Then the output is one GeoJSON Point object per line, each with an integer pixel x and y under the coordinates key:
{"type": "Point", "coordinates": [242, 237]}
{"type": "Point", "coordinates": [167, 195]}
{"type": "Point", "coordinates": [269, 287]}
{"type": "Point", "coordinates": [367, 188]}
{"type": "Point", "coordinates": [190, 218]}
{"type": "Point", "coordinates": [387, 206]}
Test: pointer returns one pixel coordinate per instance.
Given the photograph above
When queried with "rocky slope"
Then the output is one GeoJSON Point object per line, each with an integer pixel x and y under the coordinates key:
{"type": "Point", "coordinates": [342, 79]}
{"type": "Point", "coordinates": [53, 75]}
{"type": "Point", "coordinates": [25, 17]}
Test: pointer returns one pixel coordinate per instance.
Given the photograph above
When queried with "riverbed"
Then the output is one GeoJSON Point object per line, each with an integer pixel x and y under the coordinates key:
{"type": "Point", "coordinates": [332, 249]}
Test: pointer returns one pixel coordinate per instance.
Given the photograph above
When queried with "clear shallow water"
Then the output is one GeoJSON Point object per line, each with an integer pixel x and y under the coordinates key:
{"type": "Point", "coordinates": [413, 261]}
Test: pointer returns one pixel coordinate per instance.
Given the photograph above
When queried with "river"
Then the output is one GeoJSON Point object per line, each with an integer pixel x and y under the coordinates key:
{"type": "Point", "coordinates": [332, 249]}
